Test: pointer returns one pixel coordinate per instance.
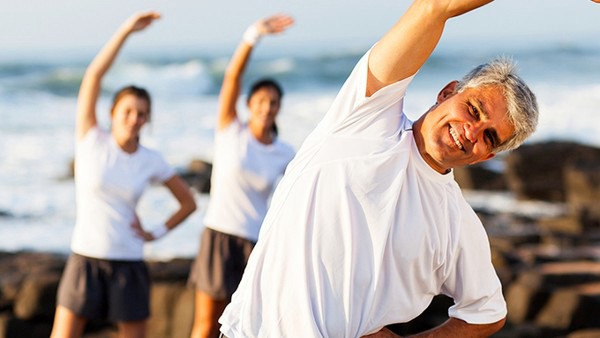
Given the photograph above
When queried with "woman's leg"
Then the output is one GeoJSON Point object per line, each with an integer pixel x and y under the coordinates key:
{"type": "Point", "coordinates": [67, 324]}
{"type": "Point", "coordinates": [132, 329]}
{"type": "Point", "coordinates": [207, 311]}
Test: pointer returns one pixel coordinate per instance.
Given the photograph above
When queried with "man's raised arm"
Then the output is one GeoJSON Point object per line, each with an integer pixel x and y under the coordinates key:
{"type": "Point", "coordinates": [405, 48]}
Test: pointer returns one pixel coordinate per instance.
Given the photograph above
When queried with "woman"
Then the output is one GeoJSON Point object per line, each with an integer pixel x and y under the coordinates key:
{"type": "Point", "coordinates": [249, 159]}
{"type": "Point", "coordinates": [105, 276]}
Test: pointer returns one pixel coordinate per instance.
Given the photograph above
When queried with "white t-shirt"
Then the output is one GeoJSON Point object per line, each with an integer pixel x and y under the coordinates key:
{"type": "Point", "coordinates": [109, 183]}
{"type": "Point", "coordinates": [362, 233]}
{"type": "Point", "coordinates": [244, 174]}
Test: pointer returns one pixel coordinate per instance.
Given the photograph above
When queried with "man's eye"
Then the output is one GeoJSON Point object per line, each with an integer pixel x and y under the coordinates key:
{"type": "Point", "coordinates": [475, 112]}
{"type": "Point", "coordinates": [489, 138]}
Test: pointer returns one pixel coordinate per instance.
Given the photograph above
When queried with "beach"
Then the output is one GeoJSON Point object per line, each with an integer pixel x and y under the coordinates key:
{"type": "Point", "coordinates": [37, 109]}
{"type": "Point", "coordinates": [38, 102]}
{"type": "Point", "coordinates": [544, 234]}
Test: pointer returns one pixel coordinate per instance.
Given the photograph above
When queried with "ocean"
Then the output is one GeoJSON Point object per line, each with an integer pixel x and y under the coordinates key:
{"type": "Point", "coordinates": [38, 102]}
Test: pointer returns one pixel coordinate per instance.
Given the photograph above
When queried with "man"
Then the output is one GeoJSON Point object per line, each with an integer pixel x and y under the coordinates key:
{"type": "Point", "coordinates": [368, 224]}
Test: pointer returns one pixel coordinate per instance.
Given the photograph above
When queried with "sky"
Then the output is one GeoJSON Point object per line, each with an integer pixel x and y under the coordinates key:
{"type": "Point", "coordinates": [46, 27]}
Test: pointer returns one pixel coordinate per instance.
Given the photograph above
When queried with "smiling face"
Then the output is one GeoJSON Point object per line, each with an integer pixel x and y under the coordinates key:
{"type": "Point", "coordinates": [463, 128]}
{"type": "Point", "coordinates": [264, 105]}
{"type": "Point", "coordinates": [130, 113]}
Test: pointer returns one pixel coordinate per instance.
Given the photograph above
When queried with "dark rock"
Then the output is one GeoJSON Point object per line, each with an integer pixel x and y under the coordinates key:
{"type": "Point", "coordinates": [183, 314]}
{"type": "Point", "coordinates": [561, 225]}
{"type": "Point", "coordinates": [525, 297]}
{"type": "Point", "coordinates": [589, 333]}
{"type": "Point", "coordinates": [13, 327]}
{"type": "Point", "coordinates": [197, 175]}
{"type": "Point", "coordinates": [175, 270]}
{"type": "Point", "coordinates": [172, 311]}
{"type": "Point", "coordinates": [582, 185]}
{"type": "Point", "coordinates": [16, 271]}
{"type": "Point", "coordinates": [536, 171]}
{"type": "Point", "coordinates": [37, 296]}
{"type": "Point", "coordinates": [554, 294]}
{"type": "Point", "coordinates": [478, 177]}
{"type": "Point", "coordinates": [571, 308]}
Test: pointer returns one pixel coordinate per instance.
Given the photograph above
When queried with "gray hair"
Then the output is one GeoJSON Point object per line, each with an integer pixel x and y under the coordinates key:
{"type": "Point", "coordinates": [520, 100]}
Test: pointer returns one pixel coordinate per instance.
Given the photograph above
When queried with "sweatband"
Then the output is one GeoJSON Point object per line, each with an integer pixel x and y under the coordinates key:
{"type": "Point", "coordinates": [252, 35]}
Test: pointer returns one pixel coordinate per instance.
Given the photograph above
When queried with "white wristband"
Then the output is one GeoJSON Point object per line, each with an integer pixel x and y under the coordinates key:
{"type": "Point", "coordinates": [252, 35]}
{"type": "Point", "coordinates": [159, 231]}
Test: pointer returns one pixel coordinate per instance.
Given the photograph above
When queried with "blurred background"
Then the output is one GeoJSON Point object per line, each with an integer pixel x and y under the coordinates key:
{"type": "Point", "coordinates": [45, 47]}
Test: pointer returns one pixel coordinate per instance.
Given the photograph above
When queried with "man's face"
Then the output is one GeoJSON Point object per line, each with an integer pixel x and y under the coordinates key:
{"type": "Point", "coordinates": [463, 128]}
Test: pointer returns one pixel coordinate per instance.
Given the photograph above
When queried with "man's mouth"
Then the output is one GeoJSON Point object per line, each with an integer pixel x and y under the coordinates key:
{"type": "Point", "coordinates": [455, 137]}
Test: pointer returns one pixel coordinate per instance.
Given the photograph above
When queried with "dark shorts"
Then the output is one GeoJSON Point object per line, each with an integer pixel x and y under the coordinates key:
{"type": "Point", "coordinates": [117, 291]}
{"type": "Point", "coordinates": [220, 263]}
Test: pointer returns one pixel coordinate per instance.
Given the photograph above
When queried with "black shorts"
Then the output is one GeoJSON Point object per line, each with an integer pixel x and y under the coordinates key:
{"type": "Point", "coordinates": [117, 291]}
{"type": "Point", "coordinates": [220, 263]}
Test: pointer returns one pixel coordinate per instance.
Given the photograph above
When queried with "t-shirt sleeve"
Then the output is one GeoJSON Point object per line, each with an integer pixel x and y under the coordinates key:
{"type": "Point", "coordinates": [162, 170]}
{"type": "Point", "coordinates": [86, 147]}
{"type": "Point", "coordinates": [473, 283]}
{"type": "Point", "coordinates": [230, 132]}
{"type": "Point", "coordinates": [352, 112]}
{"type": "Point", "coordinates": [91, 137]}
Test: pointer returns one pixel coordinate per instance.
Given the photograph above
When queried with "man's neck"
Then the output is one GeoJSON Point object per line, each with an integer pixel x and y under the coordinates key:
{"type": "Point", "coordinates": [419, 140]}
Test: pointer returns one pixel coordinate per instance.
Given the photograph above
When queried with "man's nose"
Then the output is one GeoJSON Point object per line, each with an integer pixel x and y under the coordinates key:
{"type": "Point", "coordinates": [472, 131]}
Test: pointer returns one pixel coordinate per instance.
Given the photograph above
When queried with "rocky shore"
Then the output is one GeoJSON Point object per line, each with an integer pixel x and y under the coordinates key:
{"type": "Point", "coordinates": [549, 266]}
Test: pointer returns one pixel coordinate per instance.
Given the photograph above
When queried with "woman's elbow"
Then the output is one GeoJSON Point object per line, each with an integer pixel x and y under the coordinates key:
{"type": "Point", "coordinates": [191, 205]}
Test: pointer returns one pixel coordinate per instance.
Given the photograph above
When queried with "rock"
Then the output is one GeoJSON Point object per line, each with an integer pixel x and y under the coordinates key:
{"type": "Point", "coordinates": [525, 297]}
{"type": "Point", "coordinates": [172, 302]}
{"type": "Point", "coordinates": [21, 270]}
{"type": "Point", "coordinates": [558, 312]}
{"type": "Point", "coordinates": [561, 225]}
{"type": "Point", "coordinates": [163, 299]}
{"type": "Point", "coordinates": [571, 308]}
{"type": "Point", "coordinates": [478, 177]}
{"type": "Point", "coordinates": [582, 185]}
{"type": "Point", "coordinates": [590, 333]}
{"type": "Point", "coordinates": [13, 327]}
{"type": "Point", "coordinates": [176, 270]}
{"type": "Point", "coordinates": [565, 274]}
{"type": "Point", "coordinates": [37, 296]}
{"type": "Point", "coordinates": [183, 314]}
{"type": "Point", "coordinates": [197, 175]}
{"type": "Point", "coordinates": [534, 289]}
{"type": "Point", "coordinates": [536, 171]}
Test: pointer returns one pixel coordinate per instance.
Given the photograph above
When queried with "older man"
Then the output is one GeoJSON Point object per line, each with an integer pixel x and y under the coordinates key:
{"type": "Point", "coordinates": [368, 224]}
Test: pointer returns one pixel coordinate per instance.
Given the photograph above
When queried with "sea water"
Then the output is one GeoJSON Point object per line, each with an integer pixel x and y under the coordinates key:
{"type": "Point", "coordinates": [38, 105]}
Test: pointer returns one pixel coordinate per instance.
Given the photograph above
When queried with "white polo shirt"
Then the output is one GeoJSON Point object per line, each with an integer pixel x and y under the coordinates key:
{"type": "Point", "coordinates": [362, 233]}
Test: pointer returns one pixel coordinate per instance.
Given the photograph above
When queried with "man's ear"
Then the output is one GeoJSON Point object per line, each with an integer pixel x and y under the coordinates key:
{"type": "Point", "coordinates": [447, 91]}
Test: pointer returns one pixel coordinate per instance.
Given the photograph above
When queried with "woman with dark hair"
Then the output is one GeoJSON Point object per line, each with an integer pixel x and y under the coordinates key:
{"type": "Point", "coordinates": [249, 159]}
{"type": "Point", "coordinates": [105, 276]}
